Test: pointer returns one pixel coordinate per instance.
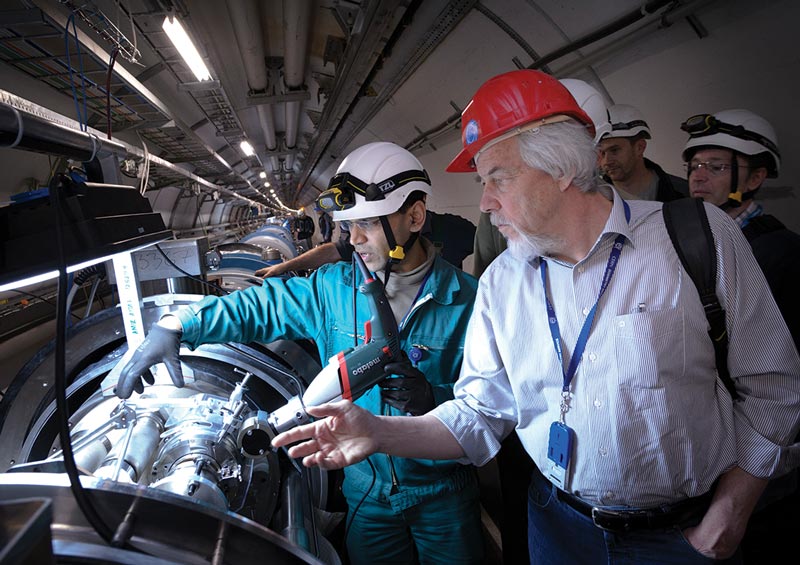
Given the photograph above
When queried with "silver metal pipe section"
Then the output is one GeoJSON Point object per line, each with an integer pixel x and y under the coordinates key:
{"type": "Point", "coordinates": [255, 435]}
{"type": "Point", "coordinates": [133, 457]}
{"type": "Point", "coordinates": [250, 38]}
{"type": "Point", "coordinates": [296, 26]}
{"type": "Point", "coordinates": [267, 122]}
{"type": "Point", "coordinates": [292, 125]}
{"type": "Point", "coordinates": [199, 484]}
{"type": "Point", "coordinates": [92, 455]}
{"type": "Point", "coordinates": [292, 516]}
{"type": "Point", "coordinates": [247, 29]}
{"type": "Point", "coordinates": [144, 442]}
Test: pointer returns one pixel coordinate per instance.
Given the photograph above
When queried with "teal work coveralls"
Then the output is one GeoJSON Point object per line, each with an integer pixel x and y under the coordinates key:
{"type": "Point", "coordinates": [432, 506]}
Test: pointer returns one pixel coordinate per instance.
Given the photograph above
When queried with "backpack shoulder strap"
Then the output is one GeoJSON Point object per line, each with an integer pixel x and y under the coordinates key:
{"type": "Point", "coordinates": [761, 225]}
{"type": "Point", "coordinates": [687, 224]}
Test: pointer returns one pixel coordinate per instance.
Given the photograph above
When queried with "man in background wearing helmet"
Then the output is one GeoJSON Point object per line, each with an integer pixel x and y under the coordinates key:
{"type": "Point", "coordinates": [303, 227]}
{"type": "Point", "coordinates": [589, 340]}
{"type": "Point", "coordinates": [400, 510]}
{"type": "Point", "coordinates": [623, 162]}
{"type": "Point", "coordinates": [728, 157]}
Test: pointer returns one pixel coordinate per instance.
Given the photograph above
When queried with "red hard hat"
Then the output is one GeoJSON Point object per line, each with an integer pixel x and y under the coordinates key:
{"type": "Point", "coordinates": [509, 101]}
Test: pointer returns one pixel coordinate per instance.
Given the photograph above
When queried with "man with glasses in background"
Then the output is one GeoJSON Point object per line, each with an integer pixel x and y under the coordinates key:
{"type": "Point", "coordinates": [400, 510]}
{"type": "Point", "coordinates": [728, 157]}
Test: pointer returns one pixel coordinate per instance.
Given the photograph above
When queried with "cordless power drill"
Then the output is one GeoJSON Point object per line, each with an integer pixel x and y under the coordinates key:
{"type": "Point", "coordinates": [353, 371]}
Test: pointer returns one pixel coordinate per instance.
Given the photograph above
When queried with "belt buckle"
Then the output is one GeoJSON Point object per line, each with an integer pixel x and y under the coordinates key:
{"type": "Point", "coordinates": [605, 519]}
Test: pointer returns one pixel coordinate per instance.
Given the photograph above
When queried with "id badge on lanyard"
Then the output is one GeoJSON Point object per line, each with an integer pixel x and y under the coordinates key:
{"type": "Point", "coordinates": [561, 439]}
{"type": "Point", "coordinates": [559, 449]}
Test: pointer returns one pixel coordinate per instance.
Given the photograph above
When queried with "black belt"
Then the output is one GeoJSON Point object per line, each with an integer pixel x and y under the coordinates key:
{"type": "Point", "coordinates": [639, 519]}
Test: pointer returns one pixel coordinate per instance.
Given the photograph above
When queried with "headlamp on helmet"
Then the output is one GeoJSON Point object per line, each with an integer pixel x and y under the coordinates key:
{"type": "Point", "coordinates": [703, 125]}
{"type": "Point", "coordinates": [342, 190]}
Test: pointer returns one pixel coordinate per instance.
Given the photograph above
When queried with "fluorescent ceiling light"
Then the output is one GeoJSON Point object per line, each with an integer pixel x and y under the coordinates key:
{"type": "Point", "coordinates": [174, 30]}
{"type": "Point", "coordinates": [247, 149]}
{"type": "Point", "coordinates": [21, 283]}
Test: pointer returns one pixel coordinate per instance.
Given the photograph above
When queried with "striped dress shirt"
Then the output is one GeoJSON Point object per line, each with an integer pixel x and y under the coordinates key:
{"type": "Point", "coordinates": [653, 423]}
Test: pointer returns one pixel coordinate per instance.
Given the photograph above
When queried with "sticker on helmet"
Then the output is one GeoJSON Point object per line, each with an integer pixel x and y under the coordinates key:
{"type": "Point", "coordinates": [471, 132]}
{"type": "Point", "coordinates": [387, 186]}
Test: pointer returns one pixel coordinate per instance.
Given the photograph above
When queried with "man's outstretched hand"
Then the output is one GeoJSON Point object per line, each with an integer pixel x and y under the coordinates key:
{"type": "Point", "coordinates": [343, 435]}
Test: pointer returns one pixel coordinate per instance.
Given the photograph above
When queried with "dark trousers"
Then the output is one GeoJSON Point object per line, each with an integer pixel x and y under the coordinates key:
{"type": "Point", "coordinates": [559, 534]}
{"type": "Point", "coordinates": [514, 468]}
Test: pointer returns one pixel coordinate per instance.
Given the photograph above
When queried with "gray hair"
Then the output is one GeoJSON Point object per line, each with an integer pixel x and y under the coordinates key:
{"type": "Point", "coordinates": [560, 150]}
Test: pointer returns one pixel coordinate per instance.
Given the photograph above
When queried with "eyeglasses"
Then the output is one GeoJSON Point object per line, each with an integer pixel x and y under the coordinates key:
{"type": "Point", "coordinates": [714, 169]}
{"type": "Point", "coordinates": [365, 224]}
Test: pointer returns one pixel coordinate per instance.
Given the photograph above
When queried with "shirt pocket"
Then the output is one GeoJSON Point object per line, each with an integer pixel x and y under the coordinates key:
{"type": "Point", "coordinates": [341, 337]}
{"type": "Point", "coordinates": [650, 348]}
{"type": "Point", "coordinates": [440, 357]}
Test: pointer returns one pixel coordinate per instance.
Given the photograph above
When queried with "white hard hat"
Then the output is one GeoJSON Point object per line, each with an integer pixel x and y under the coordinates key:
{"type": "Point", "coordinates": [591, 102]}
{"type": "Point", "coordinates": [627, 121]}
{"type": "Point", "coordinates": [739, 130]}
{"type": "Point", "coordinates": [373, 180]}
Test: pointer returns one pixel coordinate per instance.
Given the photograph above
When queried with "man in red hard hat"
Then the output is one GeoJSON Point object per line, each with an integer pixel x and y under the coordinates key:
{"type": "Point", "coordinates": [590, 341]}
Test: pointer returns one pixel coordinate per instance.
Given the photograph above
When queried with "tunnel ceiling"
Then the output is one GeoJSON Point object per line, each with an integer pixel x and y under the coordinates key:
{"type": "Point", "coordinates": [298, 79]}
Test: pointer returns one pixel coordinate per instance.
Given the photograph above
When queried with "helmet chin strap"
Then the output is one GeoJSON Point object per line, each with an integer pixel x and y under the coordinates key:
{"type": "Point", "coordinates": [396, 252]}
{"type": "Point", "coordinates": [736, 197]}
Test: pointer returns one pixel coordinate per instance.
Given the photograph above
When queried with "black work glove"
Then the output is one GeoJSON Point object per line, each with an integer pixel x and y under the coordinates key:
{"type": "Point", "coordinates": [160, 346]}
{"type": "Point", "coordinates": [410, 392]}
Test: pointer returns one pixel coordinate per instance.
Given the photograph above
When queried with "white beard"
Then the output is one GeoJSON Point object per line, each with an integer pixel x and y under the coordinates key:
{"type": "Point", "coordinates": [522, 249]}
{"type": "Point", "coordinates": [527, 246]}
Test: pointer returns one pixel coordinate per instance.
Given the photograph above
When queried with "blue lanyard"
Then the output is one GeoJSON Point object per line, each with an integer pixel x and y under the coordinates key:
{"type": "Point", "coordinates": [583, 337]}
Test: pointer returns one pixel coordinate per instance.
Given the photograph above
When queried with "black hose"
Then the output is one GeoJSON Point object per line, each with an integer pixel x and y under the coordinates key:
{"type": "Point", "coordinates": [62, 409]}
{"type": "Point", "coordinates": [108, 91]}
{"type": "Point", "coordinates": [198, 279]}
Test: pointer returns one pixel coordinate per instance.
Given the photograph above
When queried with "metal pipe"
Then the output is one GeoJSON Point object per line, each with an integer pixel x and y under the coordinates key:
{"type": "Point", "coordinates": [267, 122]}
{"type": "Point", "coordinates": [146, 435]}
{"type": "Point", "coordinates": [218, 557]}
{"type": "Point", "coordinates": [292, 515]}
{"type": "Point", "coordinates": [27, 131]}
{"type": "Point", "coordinates": [251, 40]}
{"type": "Point", "coordinates": [296, 25]}
{"type": "Point", "coordinates": [90, 456]}
{"type": "Point", "coordinates": [623, 41]}
{"type": "Point", "coordinates": [620, 23]}
{"type": "Point", "coordinates": [247, 29]}
{"type": "Point", "coordinates": [121, 455]}
{"type": "Point", "coordinates": [292, 125]}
